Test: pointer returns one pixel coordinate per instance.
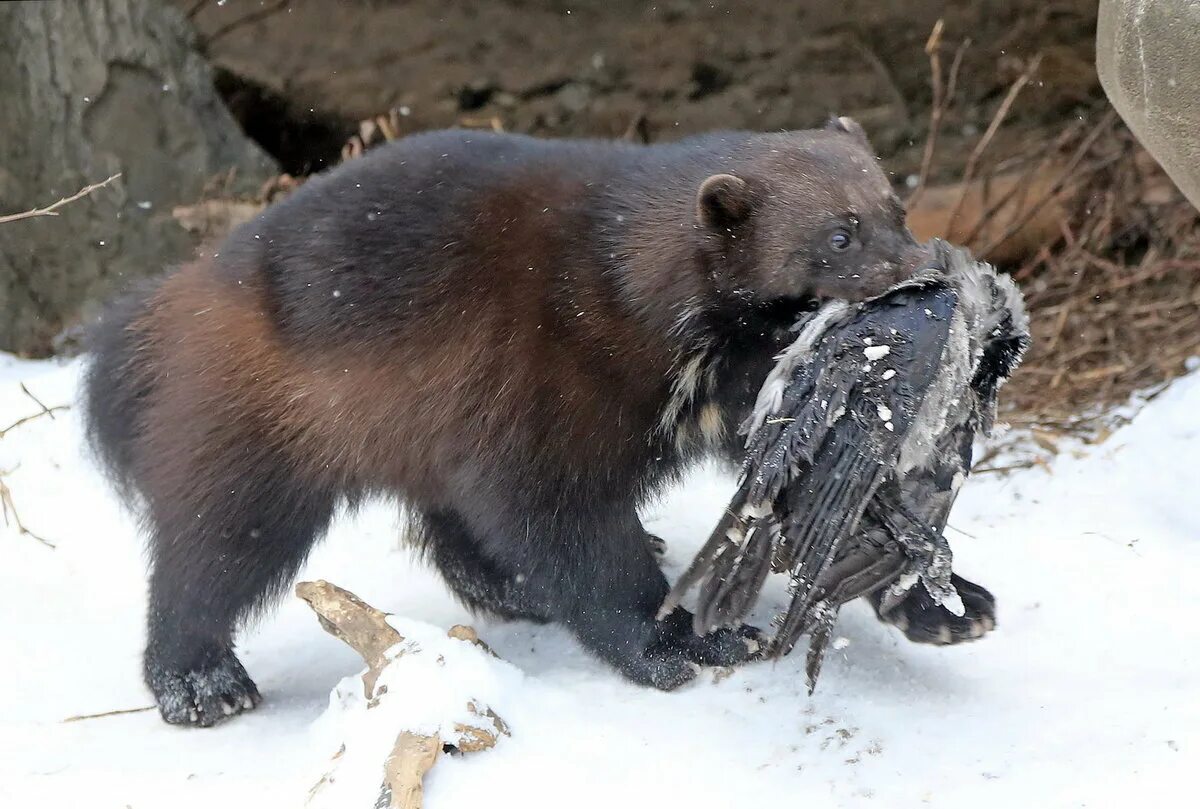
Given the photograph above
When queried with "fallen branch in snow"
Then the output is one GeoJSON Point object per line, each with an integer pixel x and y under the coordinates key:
{"type": "Point", "coordinates": [468, 633]}
{"type": "Point", "coordinates": [354, 622]}
{"type": "Point", "coordinates": [366, 630]}
{"type": "Point", "coordinates": [404, 771]}
{"type": "Point", "coordinates": [52, 209]}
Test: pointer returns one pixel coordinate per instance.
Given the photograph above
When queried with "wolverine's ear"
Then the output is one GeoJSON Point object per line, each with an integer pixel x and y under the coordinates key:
{"type": "Point", "coordinates": [723, 200]}
{"type": "Point", "coordinates": [849, 126]}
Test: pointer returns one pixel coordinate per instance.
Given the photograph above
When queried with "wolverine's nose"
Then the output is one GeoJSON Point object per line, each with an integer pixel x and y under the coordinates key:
{"type": "Point", "coordinates": [919, 258]}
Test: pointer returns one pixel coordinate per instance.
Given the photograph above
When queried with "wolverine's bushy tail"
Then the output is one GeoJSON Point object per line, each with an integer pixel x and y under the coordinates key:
{"type": "Point", "coordinates": [117, 384]}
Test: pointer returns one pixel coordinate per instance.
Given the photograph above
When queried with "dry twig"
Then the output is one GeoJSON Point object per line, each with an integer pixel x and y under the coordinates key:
{"type": "Point", "coordinates": [8, 508]}
{"type": "Point", "coordinates": [50, 411]}
{"type": "Point", "coordinates": [52, 209]}
{"type": "Point", "coordinates": [404, 771]}
{"type": "Point", "coordinates": [1067, 174]}
{"type": "Point", "coordinates": [102, 714]}
{"type": "Point", "coordinates": [942, 98]}
{"type": "Point", "coordinates": [11, 517]}
{"type": "Point", "coordinates": [989, 133]}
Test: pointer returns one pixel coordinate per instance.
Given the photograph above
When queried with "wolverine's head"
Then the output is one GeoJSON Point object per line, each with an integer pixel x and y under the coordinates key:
{"type": "Point", "coordinates": [806, 215]}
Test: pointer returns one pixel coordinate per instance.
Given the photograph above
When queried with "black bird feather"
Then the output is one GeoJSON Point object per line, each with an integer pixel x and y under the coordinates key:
{"type": "Point", "coordinates": [859, 441]}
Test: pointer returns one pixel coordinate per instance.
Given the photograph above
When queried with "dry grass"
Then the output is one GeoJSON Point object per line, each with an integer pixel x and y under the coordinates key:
{"type": "Point", "coordinates": [1105, 248]}
{"type": "Point", "coordinates": [1115, 298]}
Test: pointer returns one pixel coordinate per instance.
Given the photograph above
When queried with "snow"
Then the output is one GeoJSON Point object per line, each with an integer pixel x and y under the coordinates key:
{"type": "Point", "coordinates": [1086, 694]}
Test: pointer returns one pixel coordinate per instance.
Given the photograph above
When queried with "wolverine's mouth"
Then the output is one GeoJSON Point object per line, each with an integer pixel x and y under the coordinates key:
{"type": "Point", "coordinates": [786, 311]}
{"type": "Point", "coordinates": [806, 302]}
{"type": "Point", "coordinates": [810, 303]}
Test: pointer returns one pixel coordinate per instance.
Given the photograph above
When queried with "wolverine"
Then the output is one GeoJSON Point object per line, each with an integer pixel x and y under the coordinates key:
{"type": "Point", "coordinates": [521, 340]}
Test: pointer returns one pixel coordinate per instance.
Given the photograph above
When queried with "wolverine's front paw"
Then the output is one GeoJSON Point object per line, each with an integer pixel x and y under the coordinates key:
{"type": "Point", "coordinates": [923, 621]}
{"type": "Point", "coordinates": [723, 647]}
{"type": "Point", "coordinates": [661, 668]}
{"type": "Point", "coordinates": [677, 654]}
{"type": "Point", "coordinates": [203, 697]}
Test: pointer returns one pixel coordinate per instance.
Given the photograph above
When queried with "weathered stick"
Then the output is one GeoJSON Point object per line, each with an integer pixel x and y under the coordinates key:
{"type": "Point", "coordinates": [473, 738]}
{"type": "Point", "coordinates": [350, 619]}
{"type": "Point", "coordinates": [468, 633]}
{"type": "Point", "coordinates": [404, 771]}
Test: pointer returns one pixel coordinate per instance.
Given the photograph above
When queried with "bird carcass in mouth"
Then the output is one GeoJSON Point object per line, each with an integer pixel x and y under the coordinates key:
{"type": "Point", "coordinates": [858, 443]}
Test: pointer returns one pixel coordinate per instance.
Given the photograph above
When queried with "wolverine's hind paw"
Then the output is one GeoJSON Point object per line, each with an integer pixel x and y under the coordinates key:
{"type": "Point", "coordinates": [203, 697]}
{"type": "Point", "coordinates": [923, 621]}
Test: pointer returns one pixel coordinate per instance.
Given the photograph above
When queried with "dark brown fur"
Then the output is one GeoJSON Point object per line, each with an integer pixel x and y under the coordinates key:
{"type": "Point", "coordinates": [521, 339]}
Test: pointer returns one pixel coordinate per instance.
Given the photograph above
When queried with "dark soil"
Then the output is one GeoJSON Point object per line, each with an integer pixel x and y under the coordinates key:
{"type": "Point", "coordinates": [657, 70]}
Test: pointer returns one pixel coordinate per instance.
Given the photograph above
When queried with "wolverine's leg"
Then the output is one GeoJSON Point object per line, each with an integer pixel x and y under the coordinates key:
{"type": "Point", "coordinates": [480, 584]}
{"type": "Point", "coordinates": [220, 547]}
{"type": "Point", "coordinates": [591, 569]}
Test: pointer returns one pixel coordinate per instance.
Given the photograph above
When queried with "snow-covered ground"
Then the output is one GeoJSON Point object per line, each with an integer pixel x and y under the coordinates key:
{"type": "Point", "coordinates": [1088, 693]}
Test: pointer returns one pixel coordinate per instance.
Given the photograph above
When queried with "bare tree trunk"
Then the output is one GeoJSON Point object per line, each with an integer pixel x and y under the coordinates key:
{"type": "Point", "coordinates": [89, 89]}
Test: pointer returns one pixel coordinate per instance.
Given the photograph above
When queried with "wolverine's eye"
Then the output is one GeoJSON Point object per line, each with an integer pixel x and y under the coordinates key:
{"type": "Point", "coordinates": [840, 240]}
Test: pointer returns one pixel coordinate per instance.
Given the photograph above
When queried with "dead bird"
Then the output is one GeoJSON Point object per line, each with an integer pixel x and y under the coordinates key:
{"type": "Point", "coordinates": [859, 441]}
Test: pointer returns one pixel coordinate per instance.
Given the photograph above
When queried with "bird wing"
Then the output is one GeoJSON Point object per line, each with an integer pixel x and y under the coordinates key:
{"type": "Point", "coordinates": [883, 400]}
